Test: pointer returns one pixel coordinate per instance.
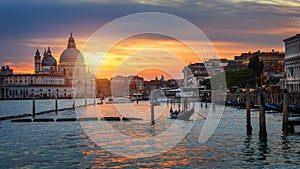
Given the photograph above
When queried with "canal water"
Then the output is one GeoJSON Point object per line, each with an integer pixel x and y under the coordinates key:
{"type": "Point", "coordinates": [69, 145]}
{"type": "Point", "coordinates": [17, 107]}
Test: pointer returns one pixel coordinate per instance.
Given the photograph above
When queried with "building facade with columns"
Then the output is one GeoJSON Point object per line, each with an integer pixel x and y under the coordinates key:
{"type": "Point", "coordinates": [67, 79]}
{"type": "Point", "coordinates": [292, 63]}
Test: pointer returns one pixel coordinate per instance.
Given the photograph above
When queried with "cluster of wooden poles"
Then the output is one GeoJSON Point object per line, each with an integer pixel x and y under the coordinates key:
{"type": "Point", "coordinates": [286, 126]}
{"type": "Point", "coordinates": [56, 104]}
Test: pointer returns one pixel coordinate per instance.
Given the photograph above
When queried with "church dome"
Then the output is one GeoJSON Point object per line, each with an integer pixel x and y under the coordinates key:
{"type": "Point", "coordinates": [71, 54]}
{"type": "Point", "coordinates": [48, 59]}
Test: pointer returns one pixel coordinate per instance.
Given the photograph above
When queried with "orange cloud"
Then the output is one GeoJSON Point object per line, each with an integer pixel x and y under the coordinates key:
{"type": "Point", "coordinates": [57, 44]}
{"type": "Point", "coordinates": [144, 56]}
{"type": "Point", "coordinates": [137, 53]}
{"type": "Point", "coordinates": [22, 67]}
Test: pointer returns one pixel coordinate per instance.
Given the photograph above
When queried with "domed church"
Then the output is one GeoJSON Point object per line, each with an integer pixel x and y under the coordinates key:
{"type": "Point", "coordinates": [71, 62]}
{"type": "Point", "coordinates": [67, 79]}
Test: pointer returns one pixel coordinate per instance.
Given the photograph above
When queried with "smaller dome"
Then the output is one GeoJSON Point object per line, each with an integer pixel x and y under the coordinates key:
{"type": "Point", "coordinates": [49, 61]}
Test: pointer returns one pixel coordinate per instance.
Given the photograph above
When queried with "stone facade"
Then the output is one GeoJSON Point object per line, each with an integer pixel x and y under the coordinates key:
{"type": "Point", "coordinates": [292, 63]}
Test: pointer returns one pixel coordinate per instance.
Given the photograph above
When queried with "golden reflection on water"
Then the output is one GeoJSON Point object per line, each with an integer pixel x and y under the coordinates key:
{"type": "Point", "coordinates": [138, 129]}
{"type": "Point", "coordinates": [141, 110]}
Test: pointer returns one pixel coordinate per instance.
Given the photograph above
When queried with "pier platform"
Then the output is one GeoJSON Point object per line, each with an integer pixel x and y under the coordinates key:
{"type": "Point", "coordinates": [74, 119]}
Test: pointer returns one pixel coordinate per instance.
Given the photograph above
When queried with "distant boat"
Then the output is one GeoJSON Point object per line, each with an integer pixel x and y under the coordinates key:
{"type": "Point", "coordinates": [294, 109]}
{"type": "Point", "coordinates": [118, 101]}
{"type": "Point", "coordinates": [241, 104]}
{"type": "Point", "coordinates": [231, 103]}
{"type": "Point", "coordinates": [271, 107]}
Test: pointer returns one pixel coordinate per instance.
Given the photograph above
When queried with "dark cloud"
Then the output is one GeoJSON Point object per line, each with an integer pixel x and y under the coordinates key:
{"type": "Point", "coordinates": [221, 20]}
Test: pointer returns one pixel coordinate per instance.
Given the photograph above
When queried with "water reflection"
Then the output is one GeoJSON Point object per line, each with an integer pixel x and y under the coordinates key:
{"type": "Point", "coordinates": [285, 143]}
{"type": "Point", "coordinates": [249, 151]}
{"type": "Point", "coordinates": [263, 151]}
{"type": "Point", "coordinates": [66, 145]}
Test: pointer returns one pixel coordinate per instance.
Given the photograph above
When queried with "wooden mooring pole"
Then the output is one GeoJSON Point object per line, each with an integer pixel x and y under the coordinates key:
{"type": "Point", "coordinates": [33, 106]}
{"type": "Point", "coordinates": [73, 103]}
{"type": "Point", "coordinates": [262, 117]}
{"type": "Point", "coordinates": [56, 107]}
{"type": "Point", "coordinates": [152, 106]}
{"type": "Point", "coordinates": [286, 127]}
{"type": "Point", "coordinates": [73, 96]}
{"type": "Point", "coordinates": [85, 101]}
{"type": "Point", "coordinates": [248, 114]}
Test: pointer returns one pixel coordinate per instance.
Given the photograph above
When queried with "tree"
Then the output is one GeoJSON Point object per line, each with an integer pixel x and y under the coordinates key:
{"type": "Point", "coordinates": [258, 68]}
{"type": "Point", "coordinates": [206, 82]}
{"type": "Point", "coordinates": [242, 78]}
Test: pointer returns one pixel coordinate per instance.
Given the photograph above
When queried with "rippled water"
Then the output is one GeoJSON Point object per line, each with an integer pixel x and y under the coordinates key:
{"type": "Point", "coordinates": [17, 107]}
{"type": "Point", "coordinates": [66, 145]}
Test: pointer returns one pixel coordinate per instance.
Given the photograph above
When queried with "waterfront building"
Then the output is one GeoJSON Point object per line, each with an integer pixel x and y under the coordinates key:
{"type": "Point", "coordinates": [133, 86]}
{"type": "Point", "coordinates": [292, 63]}
{"type": "Point", "coordinates": [215, 66]}
{"type": "Point", "coordinates": [136, 86]}
{"type": "Point", "coordinates": [234, 65]}
{"type": "Point", "coordinates": [273, 61]}
{"type": "Point", "coordinates": [146, 89]}
{"type": "Point", "coordinates": [122, 86]}
{"type": "Point", "coordinates": [5, 70]}
{"type": "Point", "coordinates": [194, 74]}
{"type": "Point", "coordinates": [158, 83]}
{"type": "Point", "coordinates": [68, 78]}
{"type": "Point", "coordinates": [119, 86]}
{"type": "Point", "coordinates": [103, 88]}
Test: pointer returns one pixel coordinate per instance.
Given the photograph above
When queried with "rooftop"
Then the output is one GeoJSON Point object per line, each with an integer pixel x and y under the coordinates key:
{"type": "Point", "coordinates": [297, 36]}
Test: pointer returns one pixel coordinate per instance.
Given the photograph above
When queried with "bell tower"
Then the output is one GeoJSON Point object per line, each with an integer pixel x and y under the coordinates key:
{"type": "Point", "coordinates": [37, 62]}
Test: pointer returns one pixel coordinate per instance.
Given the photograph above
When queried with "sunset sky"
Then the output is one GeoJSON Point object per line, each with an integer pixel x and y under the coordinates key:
{"type": "Point", "coordinates": [233, 26]}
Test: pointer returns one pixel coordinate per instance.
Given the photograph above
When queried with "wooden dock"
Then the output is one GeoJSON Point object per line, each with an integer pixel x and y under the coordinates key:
{"type": "Point", "coordinates": [73, 119]}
